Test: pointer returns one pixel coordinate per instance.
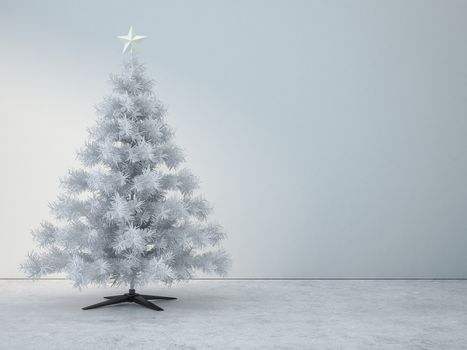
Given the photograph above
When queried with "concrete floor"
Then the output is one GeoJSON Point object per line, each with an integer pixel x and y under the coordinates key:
{"type": "Point", "coordinates": [240, 315]}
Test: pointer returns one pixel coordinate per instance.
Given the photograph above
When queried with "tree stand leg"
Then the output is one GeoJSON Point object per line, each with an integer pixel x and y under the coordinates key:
{"type": "Point", "coordinates": [131, 297]}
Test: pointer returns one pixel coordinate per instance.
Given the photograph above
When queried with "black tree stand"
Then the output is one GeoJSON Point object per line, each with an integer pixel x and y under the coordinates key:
{"type": "Point", "coordinates": [131, 297]}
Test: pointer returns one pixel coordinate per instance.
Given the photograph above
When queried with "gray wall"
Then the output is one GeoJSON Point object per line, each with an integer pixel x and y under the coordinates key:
{"type": "Point", "coordinates": [329, 135]}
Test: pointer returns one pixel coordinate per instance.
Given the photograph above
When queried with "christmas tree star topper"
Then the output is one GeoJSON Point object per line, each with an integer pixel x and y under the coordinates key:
{"type": "Point", "coordinates": [130, 40]}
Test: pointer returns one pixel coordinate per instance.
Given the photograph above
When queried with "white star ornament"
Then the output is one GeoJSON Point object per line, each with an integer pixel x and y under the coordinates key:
{"type": "Point", "coordinates": [131, 40]}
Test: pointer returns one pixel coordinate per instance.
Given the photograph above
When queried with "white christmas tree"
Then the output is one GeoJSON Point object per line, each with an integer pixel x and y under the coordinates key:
{"type": "Point", "coordinates": [129, 215]}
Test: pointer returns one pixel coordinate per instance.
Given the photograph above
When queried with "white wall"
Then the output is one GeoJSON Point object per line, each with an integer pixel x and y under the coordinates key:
{"type": "Point", "coordinates": [330, 136]}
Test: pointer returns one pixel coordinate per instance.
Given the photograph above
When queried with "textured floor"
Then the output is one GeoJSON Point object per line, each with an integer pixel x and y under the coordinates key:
{"type": "Point", "coordinates": [240, 315]}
